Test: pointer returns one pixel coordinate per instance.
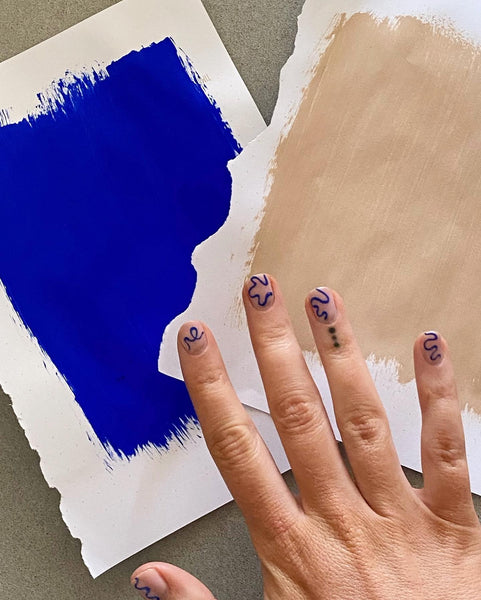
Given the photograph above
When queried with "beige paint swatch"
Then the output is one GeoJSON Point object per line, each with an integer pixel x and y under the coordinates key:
{"type": "Point", "coordinates": [377, 192]}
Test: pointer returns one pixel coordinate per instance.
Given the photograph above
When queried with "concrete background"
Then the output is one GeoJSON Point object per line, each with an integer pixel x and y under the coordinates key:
{"type": "Point", "coordinates": [38, 557]}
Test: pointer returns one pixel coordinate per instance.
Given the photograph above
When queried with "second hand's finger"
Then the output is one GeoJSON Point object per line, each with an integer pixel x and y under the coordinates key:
{"type": "Point", "coordinates": [232, 438]}
{"type": "Point", "coordinates": [360, 415]}
{"type": "Point", "coordinates": [294, 401]}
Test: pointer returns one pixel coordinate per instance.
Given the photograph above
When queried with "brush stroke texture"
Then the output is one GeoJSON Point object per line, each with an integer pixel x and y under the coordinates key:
{"type": "Point", "coordinates": [103, 199]}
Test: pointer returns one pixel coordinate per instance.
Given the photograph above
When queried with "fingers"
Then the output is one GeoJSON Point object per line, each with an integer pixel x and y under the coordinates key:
{"type": "Point", "coordinates": [446, 479]}
{"type": "Point", "coordinates": [234, 443]}
{"type": "Point", "coordinates": [294, 400]}
{"type": "Point", "coordinates": [161, 581]}
{"type": "Point", "coordinates": [302, 423]}
{"type": "Point", "coordinates": [360, 416]}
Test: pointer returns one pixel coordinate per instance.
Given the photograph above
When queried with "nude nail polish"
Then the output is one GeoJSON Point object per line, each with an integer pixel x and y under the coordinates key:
{"type": "Point", "coordinates": [260, 292]}
{"type": "Point", "coordinates": [150, 585]}
{"type": "Point", "coordinates": [323, 305]}
{"type": "Point", "coordinates": [432, 348]}
{"type": "Point", "coordinates": [193, 338]}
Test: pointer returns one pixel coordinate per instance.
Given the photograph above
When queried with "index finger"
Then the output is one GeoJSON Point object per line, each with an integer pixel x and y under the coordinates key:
{"type": "Point", "coordinates": [236, 446]}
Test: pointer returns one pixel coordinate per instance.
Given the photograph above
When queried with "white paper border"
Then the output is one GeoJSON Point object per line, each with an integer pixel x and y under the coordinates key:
{"type": "Point", "coordinates": [116, 507]}
{"type": "Point", "coordinates": [222, 262]}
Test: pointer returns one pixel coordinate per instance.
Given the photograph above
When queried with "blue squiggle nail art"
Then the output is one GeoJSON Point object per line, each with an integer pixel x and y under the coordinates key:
{"type": "Point", "coordinates": [317, 302]}
{"type": "Point", "coordinates": [256, 280]}
{"type": "Point", "coordinates": [431, 347]}
{"type": "Point", "coordinates": [145, 589]}
{"type": "Point", "coordinates": [194, 337]}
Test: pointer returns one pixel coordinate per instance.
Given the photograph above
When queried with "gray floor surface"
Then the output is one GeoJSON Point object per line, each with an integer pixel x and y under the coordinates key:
{"type": "Point", "coordinates": [38, 557]}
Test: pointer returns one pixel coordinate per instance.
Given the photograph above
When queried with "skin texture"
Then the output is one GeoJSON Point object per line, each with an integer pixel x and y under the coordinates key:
{"type": "Point", "coordinates": [371, 538]}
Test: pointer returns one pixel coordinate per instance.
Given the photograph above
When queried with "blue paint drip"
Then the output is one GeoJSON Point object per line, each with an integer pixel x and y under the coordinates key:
{"type": "Point", "coordinates": [102, 202]}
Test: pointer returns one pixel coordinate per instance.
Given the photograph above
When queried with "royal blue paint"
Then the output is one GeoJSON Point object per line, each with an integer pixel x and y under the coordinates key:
{"type": "Point", "coordinates": [102, 203]}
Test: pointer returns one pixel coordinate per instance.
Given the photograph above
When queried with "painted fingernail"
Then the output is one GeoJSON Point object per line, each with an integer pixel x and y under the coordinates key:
{"type": "Point", "coordinates": [260, 292]}
{"type": "Point", "coordinates": [432, 348]}
{"type": "Point", "coordinates": [193, 338]}
{"type": "Point", "coordinates": [323, 306]}
{"type": "Point", "coordinates": [150, 584]}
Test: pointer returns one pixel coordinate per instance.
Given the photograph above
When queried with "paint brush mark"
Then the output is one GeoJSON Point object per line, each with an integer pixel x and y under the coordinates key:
{"type": "Point", "coordinates": [105, 195]}
{"type": "Point", "coordinates": [4, 117]}
{"type": "Point", "coordinates": [63, 94]}
{"type": "Point", "coordinates": [374, 179]}
{"type": "Point", "coordinates": [202, 88]}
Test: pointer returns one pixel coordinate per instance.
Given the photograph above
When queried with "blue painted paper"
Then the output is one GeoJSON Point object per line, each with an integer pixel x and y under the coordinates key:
{"type": "Point", "coordinates": [102, 202]}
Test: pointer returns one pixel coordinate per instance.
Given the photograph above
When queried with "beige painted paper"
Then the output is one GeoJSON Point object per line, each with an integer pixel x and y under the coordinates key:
{"type": "Point", "coordinates": [367, 180]}
{"type": "Point", "coordinates": [376, 191]}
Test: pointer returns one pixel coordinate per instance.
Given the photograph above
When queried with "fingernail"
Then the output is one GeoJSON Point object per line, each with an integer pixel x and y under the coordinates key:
{"type": "Point", "coordinates": [260, 292]}
{"type": "Point", "coordinates": [432, 348]}
{"type": "Point", "coordinates": [150, 584]}
{"type": "Point", "coordinates": [193, 338]}
{"type": "Point", "coordinates": [323, 306]}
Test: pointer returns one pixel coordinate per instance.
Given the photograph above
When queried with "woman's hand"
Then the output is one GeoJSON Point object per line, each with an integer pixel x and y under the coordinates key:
{"type": "Point", "coordinates": [368, 539]}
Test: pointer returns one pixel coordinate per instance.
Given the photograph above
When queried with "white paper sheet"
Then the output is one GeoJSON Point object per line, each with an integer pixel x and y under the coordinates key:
{"type": "Point", "coordinates": [252, 183]}
{"type": "Point", "coordinates": [120, 509]}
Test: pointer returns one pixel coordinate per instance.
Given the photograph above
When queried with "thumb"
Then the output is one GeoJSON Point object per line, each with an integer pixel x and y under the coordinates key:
{"type": "Point", "coordinates": [161, 581]}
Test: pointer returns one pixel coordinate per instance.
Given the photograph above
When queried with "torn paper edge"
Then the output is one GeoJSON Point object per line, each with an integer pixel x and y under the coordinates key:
{"type": "Point", "coordinates": [223, 262]}
{"type": "Point", "coordinates": [115, 507]}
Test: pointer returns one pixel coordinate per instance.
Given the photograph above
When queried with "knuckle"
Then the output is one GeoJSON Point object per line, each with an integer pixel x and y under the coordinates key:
{"type": "Point", "coordinates": [209, 380]}
{"type": "Point", "coordinates": [345, 352]}
{"type": "Point", "coordinates": [282, 524]}
{"type": "Point", "coordinates": [350, 532]}
{"type": "Point", "coordinates": [277, 337]}
{"type": "Point", "coordinates": [365, 427]}
{"type": "Point", "coordinates": [438, 395]}
{"type": "Point", "coordinates": [284, 531]}
{"type": "Point", "coordinates": [294, 411]}
{"type": "Point", "coordinates": [233, 445]}
{"type": "Point", "coordinates": [444, 450]}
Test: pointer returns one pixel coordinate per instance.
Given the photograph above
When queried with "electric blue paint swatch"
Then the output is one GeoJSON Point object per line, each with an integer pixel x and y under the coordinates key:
{"type": "Point", "coordinates": [102, 202]}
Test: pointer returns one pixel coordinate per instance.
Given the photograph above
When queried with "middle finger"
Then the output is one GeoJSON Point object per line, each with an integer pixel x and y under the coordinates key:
{"type": "Point", "coordinates": [294, 400]}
